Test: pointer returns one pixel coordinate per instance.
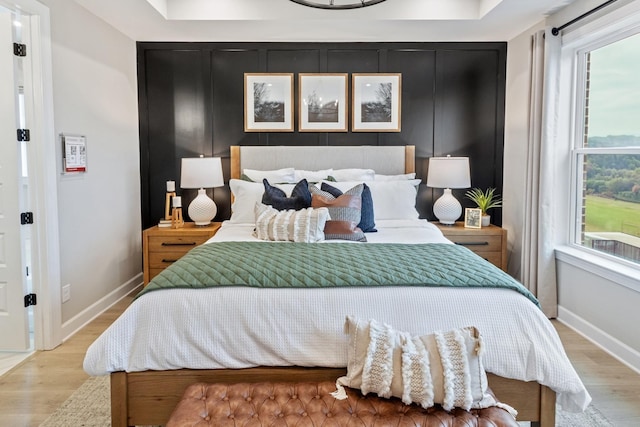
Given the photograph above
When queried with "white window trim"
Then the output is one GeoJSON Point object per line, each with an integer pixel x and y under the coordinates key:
{"type": "Point", "coordinates": [606, 266]}
{"type": "Point", "coordinates": [616, 25]}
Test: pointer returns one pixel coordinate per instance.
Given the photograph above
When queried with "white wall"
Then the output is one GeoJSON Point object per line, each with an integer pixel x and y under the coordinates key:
{"type": "Point", "coordinates": [600, 307]}
{"type": "Point", "coordinates": [95, 94]}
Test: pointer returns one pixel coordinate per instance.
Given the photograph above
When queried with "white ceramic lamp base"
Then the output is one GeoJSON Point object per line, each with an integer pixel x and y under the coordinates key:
{"type": "Point", "coordinates": [447, 208]}
{"type": "Point", "coordinates": [202, 209]}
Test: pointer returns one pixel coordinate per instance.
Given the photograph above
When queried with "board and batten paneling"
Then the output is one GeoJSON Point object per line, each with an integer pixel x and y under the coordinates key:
{"type": "Point", "coordinates": [191, 102]}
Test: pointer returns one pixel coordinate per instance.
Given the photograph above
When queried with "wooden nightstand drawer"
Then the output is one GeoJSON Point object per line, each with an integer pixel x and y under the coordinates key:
{"type": "Point", "coordinates": [164, 259]}
{"type": "Point", "coordinates": [488, 242]}
{"type": "Point", "coordinates": [164, 246]}
{"type": "Point", "coordinates": [153, 272]}
{"type": "Point", "coordinates": [494, 258]}
{"type": "Point", "coordinates": [479, 243]}
{"type": "Point", "coordinates": [175, 243]}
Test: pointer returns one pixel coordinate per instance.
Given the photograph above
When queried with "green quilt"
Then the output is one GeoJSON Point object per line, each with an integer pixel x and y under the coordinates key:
{"type": "Point", "coordinates": [313, 265]}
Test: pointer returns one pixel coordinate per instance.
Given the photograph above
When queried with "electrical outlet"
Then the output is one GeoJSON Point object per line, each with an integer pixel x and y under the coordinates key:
{"type": "Point", "coordinates": [66, 292]}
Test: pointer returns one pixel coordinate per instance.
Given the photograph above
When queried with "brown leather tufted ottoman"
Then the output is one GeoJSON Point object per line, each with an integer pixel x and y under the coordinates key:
{"type": "Point", "coordinates": [311, 404]}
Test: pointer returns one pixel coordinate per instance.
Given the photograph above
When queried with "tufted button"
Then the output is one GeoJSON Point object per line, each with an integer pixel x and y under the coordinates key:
{"type": "Point", "coordinates": [248, 399]}
{"type": "Point", "coordinates": [207, 418]}
{"type": "Point", "coordinates": [295, 396]}
{"type": "Point", "coordinates": [226, 399]}
{"type": "Point", "coordinates": [281, 415]}
{"type": "Point", "coordinates": [272, 397]}
{"type": "Point", "coordinates": [329, 415]}
{"type": "Point", "coordinates": [304, 414]}
{"type": "Point", "coordinates": [231, 416]}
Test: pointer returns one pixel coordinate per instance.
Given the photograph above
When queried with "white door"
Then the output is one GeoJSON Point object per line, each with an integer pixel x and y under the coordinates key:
{"type": "Point", "coordinates": [14, 331]}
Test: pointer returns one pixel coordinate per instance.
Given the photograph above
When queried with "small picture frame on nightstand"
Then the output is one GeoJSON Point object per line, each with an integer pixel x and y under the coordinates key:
{"type": "Point", "coordinates": [472, 218]}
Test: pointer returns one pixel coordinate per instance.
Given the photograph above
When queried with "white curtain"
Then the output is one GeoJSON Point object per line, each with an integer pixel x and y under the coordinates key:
{"type": "Point", "coordinates": [539, 225]}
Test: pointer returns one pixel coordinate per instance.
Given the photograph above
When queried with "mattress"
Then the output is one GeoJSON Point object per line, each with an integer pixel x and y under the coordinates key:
{"type": "Point", "coordinates": [240, 327]}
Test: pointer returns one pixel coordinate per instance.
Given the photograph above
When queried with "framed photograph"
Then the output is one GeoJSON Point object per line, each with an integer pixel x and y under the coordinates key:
{"type": "Point", "coordinates": [268, 102]}
{"type": "Point", "coordinates": [472, 218]}
{"type": "Point", "coordinates": [376, 102]}
{"type": "Point", "coordinates": [322, 102]}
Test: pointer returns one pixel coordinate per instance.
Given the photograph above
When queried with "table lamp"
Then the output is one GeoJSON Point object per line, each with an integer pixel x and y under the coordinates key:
{"type": "Point", "coordinates": [201, 173]}
{"type": "Point", "coordinates": [448, 172]}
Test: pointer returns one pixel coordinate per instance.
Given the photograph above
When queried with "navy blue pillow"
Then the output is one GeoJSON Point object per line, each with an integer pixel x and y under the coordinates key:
{"type": "Point", "coordinates": [367, 223]}
{"type": "Point", "coordinates": [300, 196]}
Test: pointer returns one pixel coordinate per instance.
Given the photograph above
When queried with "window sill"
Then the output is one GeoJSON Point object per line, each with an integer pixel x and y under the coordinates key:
{"type": "Point", "coordinates": [609, 269]}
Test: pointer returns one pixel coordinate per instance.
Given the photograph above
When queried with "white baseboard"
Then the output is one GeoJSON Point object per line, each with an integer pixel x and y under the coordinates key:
{"type": "Point", "coordinates": [606, 342]}
{"type": "Point", "coordinates": [73, 325]}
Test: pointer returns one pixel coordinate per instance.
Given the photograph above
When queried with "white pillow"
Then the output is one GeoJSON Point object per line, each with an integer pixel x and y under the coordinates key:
{"type": "Point", "coordinates": [312, 176]}
{"type": "Point", "coordinates": [245, 196]}
{"type": "Point", "coordinates": [391, 199]}
{"type": "Point", "coordinates": [379, 177]}
{"type": "Point", "coordinates": [443, 367]}
{"type": "Point", "coordinates": [304, 225]}
{"type": "Point", "coordinates": [353, 174]}
{"type": "Point", "coordinates": [273, 176]}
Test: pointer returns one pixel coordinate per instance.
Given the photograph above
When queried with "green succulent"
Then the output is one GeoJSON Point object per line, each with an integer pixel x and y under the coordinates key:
{"type": "Point", "coordinates": [485, 200]}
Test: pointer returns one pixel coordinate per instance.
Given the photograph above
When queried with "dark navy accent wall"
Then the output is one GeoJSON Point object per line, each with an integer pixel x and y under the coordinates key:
{"type": "Point", "coordinates": [191, 102]}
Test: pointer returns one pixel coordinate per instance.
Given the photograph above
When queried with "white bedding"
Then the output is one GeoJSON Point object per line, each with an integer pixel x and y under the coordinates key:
{"type": "Point", "coordinates": [237, 327]}
{"type": "Point", "coordinates": [389, 231]}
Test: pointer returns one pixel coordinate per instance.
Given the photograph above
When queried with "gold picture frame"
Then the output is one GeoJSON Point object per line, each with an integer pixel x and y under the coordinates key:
{"type": "Point", "coordinates": [268, 102]}
{"type": "Point", "coordinates": [376, 102]}
{"type": "Point", "coordinates": [323, 102]}
{"type": "Point", "coordinates": [472, 218]}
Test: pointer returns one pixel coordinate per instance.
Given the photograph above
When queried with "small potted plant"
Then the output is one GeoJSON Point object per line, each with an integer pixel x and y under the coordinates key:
{"type": "Point", "coordinates": [485, 200]}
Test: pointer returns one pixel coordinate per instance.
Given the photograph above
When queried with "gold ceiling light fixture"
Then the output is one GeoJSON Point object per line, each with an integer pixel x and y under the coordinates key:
{"type": "Point", "coordinates": [337, 4]}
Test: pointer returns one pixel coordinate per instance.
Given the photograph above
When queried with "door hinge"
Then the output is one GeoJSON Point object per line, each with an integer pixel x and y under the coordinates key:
{"type": "Point", "coordinates": [26, 218]}
{"type": "Point", "coordinates": [24, 135]}
{"type": "Point", "coordinates": [30, 299]}
{"type": "Point", "coordinates": [19, 49]}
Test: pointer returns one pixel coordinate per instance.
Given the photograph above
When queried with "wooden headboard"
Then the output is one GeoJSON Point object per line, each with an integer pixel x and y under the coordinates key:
{"type": "Point", "coordinates": [389, 160]}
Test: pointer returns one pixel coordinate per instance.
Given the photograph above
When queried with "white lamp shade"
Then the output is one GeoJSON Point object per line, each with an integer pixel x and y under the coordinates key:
{"type": "Point", "coordinates": [449, 172]}
{"type": "Point", "coordinates": [201, 172]}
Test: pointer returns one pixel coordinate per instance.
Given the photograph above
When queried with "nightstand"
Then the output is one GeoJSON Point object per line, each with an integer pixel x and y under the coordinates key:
{"type": "Point", "coordinates": [162, 246]}
{"type": "Point", "coordinates": [488, 242]}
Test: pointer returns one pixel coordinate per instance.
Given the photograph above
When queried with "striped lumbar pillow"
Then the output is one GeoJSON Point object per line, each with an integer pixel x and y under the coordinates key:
{"type": "Point", "coordinates": [304, 225]}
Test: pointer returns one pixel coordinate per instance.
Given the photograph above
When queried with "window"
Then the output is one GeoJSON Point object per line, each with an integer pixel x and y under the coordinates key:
{"type": "Point", "coordinates": [606, 152]}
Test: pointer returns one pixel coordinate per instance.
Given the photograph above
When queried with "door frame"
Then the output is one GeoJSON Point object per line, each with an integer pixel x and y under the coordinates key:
{"type": "Point", "coordinates": [44, 193]}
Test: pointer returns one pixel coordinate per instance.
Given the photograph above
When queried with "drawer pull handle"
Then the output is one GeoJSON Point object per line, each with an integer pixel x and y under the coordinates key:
{"type": "Point", "coordinates": [169, 260]}
{"type": "Point", "coordinates": [178, 243]}
{"type": "Point", "coordinates": [472, 243]}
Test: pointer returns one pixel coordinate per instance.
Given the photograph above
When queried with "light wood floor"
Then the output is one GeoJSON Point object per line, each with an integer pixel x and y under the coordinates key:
{"type": "Point", "coordinates": [30, 392]}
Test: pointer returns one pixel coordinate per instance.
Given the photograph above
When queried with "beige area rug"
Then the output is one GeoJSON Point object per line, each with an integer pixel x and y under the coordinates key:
{"type": "Point", "coordinates": [90, 406]}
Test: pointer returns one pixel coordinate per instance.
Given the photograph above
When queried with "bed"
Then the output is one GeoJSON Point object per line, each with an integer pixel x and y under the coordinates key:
{"type": "Point", "coordinates": [171, 338]}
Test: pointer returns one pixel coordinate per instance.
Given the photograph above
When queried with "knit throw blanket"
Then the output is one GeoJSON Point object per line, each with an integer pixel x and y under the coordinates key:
{"type": "Point", "coordinates": [317, 265]}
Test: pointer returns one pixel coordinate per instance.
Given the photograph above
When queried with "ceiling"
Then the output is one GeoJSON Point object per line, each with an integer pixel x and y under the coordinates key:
{"type": "Point", "coordinates": [283, 20]}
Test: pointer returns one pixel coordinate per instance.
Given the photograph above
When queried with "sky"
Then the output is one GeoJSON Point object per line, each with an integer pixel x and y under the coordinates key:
{"type": "Point", "coordinates": [614, 99]}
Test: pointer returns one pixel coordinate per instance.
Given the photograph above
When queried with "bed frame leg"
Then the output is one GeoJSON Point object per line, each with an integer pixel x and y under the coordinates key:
{"type": "Point", "coordinates": [119, 407]}
{"type": "Point", "coordinates": [547, 408]}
